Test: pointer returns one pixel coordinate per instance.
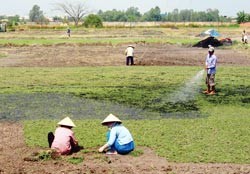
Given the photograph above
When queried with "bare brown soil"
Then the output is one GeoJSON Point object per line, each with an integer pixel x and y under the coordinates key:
{"type": "Point", "coordinates": [13, 150]}
{"type": "Point", "coordinates": [68, 55]}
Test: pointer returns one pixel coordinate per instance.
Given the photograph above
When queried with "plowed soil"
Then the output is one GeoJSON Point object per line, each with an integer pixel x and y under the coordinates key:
{"type": "Point", "coordinates": [75, 55]}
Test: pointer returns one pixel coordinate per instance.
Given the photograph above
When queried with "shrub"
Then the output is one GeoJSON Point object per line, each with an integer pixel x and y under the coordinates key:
{"type": "Point", "coordinates": [93, 21]}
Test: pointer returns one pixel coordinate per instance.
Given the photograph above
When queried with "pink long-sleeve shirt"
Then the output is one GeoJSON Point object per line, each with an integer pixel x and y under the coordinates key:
{"type": "Point", "coordinates": [62, 138]}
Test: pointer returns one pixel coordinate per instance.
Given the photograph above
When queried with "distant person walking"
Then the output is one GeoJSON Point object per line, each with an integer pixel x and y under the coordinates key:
{"type": "Point", "coordinates": [210, 66]}
{"type": "Point", "coordinates": [68, 32]}
{"type": "Point", "coordinates": [129, 52]}
{"type": "Point", "coordinates": [244, 37]}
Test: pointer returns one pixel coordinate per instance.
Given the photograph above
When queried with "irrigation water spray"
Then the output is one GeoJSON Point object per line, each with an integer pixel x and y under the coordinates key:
{"type": "Point", "coordinates": [188, 91]}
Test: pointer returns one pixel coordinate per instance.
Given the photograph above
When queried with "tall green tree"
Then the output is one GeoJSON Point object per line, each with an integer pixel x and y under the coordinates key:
{"type": "Point", "coordinates": [113, 16]}
{"type": "Point", "coordinates": [133, 14]}
{"type": "Point", "coordinates": [154, 14]}
{"type": "Point", "coordinates": [36, 15]}
{"type": "Point", "coordinates": [241, 17]}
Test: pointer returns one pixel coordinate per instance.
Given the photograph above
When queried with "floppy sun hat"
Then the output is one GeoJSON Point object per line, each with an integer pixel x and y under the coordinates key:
{"type": "Point", "coordinates": [111, 118]}
{"type": "Point", "coordinates": [66, 122]}
{"type": "Point", "coordinates": [210, 48]}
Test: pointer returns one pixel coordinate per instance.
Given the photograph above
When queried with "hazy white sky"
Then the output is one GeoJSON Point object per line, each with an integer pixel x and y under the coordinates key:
{"type": "Point", "coordinates": [226, 7]}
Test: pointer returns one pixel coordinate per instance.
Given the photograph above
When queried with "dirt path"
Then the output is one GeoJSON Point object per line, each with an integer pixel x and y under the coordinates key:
{"type": "Point", "coordinates": [75, 55]}
{"type": "Point", "coordinates": [13, 151]}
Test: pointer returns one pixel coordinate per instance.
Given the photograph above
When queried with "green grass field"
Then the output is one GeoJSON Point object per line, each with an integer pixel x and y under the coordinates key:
{"type": "Point", "coordinates": [182, 36]}
{"type": "Point", "coordinates": [219, 131]}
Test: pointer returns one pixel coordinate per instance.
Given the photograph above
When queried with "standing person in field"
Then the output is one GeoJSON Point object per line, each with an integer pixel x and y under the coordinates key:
{"type": "Point", "coordinates": [119, 139]}
{"type": "Point", "coordinates": [244, 37]}
{"type": "Point", "coordinates": [68, 31]}
{"type": "Point", "coordinates": [210, 67]}
{"type": "Point", "coordinates": [64, 141]}
{"type": "Point", "coordinates": [129, 52]}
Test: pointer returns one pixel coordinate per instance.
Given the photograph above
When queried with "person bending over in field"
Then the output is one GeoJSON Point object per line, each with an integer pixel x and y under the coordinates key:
{"type": "Point", "coordinates": [119, 139]}
{"type": "Point", "coordinates": [64, 141]}
{"type": "Point", "coordinates": [210, 66]}
{"type": "Point", "coordinates": [129, 52]}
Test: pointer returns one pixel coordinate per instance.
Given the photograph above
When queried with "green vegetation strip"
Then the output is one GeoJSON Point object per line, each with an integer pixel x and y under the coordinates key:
{"type": "Point", "coordinates": [27, 91]}
{"type": "Point", "coordinates": [141, 87]}
{"type": "Point", "coordinates": [113, 41]}
{"type": "Point", "coordinates": [223, 137]}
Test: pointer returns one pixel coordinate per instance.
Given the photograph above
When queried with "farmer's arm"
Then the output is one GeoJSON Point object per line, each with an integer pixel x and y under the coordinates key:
{"type": "Point", "coordinates": [125, 52]}
{"type": "Point", "coordinates": [74, 139]}
{"type": "Point", "coordinates": [105, 146]}
{"type": "Point", "coordinates": [206, 64]}
{"type": "Point", "coordinates": [111, 140]}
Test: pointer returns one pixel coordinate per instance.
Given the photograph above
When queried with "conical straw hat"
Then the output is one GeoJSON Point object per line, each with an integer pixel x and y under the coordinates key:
{"type": "Point", "coordinates": [111, 118]}
{"type": "Point", "coordinates": [67, 122]}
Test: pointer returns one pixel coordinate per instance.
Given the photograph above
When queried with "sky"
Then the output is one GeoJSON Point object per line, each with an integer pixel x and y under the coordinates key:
{"type": "Point", "coordinates": [228, 8]}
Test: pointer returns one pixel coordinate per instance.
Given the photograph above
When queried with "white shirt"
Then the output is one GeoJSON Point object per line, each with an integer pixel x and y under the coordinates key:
{"type": "Point", "coordinates": [129, 51]}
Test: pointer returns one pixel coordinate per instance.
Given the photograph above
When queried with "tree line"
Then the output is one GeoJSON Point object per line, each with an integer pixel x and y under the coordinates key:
{"type": "Point", "coordinates": [78, 12]}
{"type": "Point", "coordinates": [132, 14]}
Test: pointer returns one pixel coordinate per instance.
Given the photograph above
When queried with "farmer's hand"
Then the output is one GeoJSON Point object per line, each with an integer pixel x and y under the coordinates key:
{"type": "Point", "coordinates": [101, 149]}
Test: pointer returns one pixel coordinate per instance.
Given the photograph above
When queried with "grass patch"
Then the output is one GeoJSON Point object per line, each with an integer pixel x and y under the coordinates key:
{"type": "Point", "coordinates": [111, 86]}
{"type": "Point", "coordinates": [75, 160]}
{"type": "Point", "coordinates": [3, 55]}
{"type": "Point", "coordinates": [135, 93]}
{"type": "Point", "coordinates": [137, 152]}
{"type": "Point", "coordinates": [113, 41]}
{"type": "Point", "coordinates": [222, 138]}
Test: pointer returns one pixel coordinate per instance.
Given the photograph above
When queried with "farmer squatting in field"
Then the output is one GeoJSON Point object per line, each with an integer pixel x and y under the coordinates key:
{"type": "Point", "coordinates": [119, 139]}
{"type": "Point", "coordinates": [64, 141]}
{"type": "Point", "coordinates": [210, 67]}
{"type": "Point", "coordinates": [129, 52]}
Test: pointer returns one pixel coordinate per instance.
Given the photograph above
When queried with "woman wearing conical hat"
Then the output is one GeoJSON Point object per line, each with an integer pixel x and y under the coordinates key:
{"type": "Point", "coordinates": [119, 139]}
{"type": "Point", "coordinates": [64, 141]}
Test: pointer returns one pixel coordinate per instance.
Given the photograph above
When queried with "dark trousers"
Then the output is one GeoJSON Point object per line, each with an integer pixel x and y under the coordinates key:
{"type": "Point", "coordinates": [130, 59]}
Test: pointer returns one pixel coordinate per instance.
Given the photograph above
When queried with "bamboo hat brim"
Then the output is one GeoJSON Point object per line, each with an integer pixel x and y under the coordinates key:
{"type": "Point", "coordinates": [111, 118]}
{"type": "Point", "coordinates": [66, 122]}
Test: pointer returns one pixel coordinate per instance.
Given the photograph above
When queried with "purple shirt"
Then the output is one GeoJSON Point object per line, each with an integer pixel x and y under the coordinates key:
{"type": "Point", "coordinates": [211, 64]}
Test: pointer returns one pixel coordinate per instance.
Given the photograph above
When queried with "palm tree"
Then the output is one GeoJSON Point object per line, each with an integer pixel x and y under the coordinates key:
{"type": "Point", "coordinates": [241, 17]}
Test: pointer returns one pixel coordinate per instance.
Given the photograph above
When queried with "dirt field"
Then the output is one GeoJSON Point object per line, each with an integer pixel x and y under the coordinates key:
{"type": "Point", "coordinates": [107, 55]}
{"type": "Point", "coordinates": [13, 149]}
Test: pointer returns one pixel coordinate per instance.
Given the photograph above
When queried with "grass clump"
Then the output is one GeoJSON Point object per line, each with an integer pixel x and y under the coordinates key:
{"type": "Point", "coordinates": [136, 153]}
{"type": "Point", "coordinates": [3, 55]}
{"type": "Point", "coordinates": [75, 160]}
